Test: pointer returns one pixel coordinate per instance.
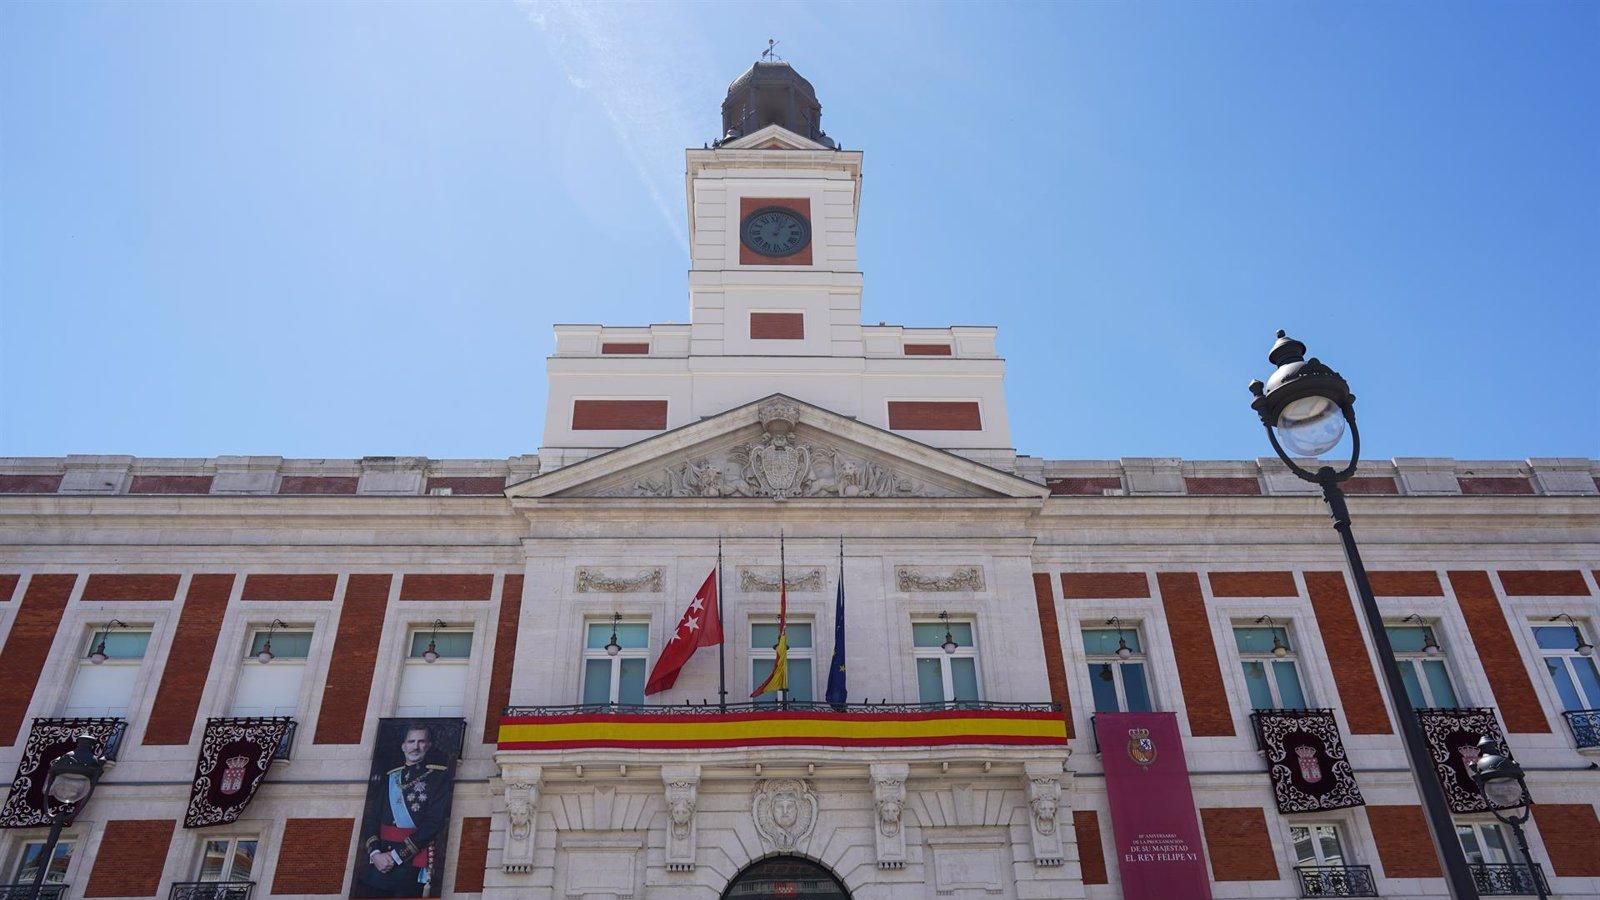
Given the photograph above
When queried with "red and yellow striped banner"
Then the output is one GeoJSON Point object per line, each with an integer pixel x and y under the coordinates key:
{"type": "Point", "coordinates": [782, 728]}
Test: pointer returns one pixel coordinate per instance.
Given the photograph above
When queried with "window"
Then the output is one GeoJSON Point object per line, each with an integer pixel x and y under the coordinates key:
{"type": "Point", "coordinates": [1119, 683]}
{"type": "Point", "coordinates": [55, 873]}
{"type": "Point", "coordinates": [1426, 678]}
{"type": "Point", "coordinates": [106, 688]}
{"type": "Point", "coordinates": [228, 859]}
{"type": "Point", "coordinates": [272, 688]}
{"type": "Point", "coordinates": [437, 688]}
{"type": "Point", "coordinates": [1576, 679]}
{"type": "Point", "coordinates": [620, 678]}
{"type": "Point", "coordinates": [763, 638]}
{"type": "Point", "coordinates": [1317, 845]}
{"type": "Point", "coordinates": [1484, 842]}
{"type": "Point", "coordinates": [1269, 667]}
{"type": "Point", "coordinates": [945, 677]}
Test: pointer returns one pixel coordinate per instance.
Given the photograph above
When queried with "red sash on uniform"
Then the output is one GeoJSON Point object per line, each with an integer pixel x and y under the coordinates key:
{"type": "Point", "coordinates": [396, 835]}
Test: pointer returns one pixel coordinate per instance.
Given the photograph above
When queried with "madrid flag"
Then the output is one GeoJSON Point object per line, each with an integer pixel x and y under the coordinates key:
{"type": "Point", "coordinates": [701, 626]}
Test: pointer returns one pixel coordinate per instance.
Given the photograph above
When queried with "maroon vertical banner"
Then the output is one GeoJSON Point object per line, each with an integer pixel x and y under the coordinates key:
{"type": "Point", "coordinates": [1153, 820]}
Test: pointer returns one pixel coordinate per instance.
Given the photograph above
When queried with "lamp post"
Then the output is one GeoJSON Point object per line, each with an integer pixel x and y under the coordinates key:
{"type": "Point", "coordinates": [1505, 788]}
{"type": "Point", "coordinates": [70, 782]}
{"type": "Point", "coordinates": [1307, 406]}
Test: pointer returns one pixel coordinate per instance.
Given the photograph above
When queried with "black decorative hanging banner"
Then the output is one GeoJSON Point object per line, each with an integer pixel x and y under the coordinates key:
{"type": "Point", "coordinates": [1306, 760]}
{"type": "Point", "coordinates": [234, 756]}
{"type": "Point", "coordinates": [47, 740]}
{"type": "Point", "coordinates": [1452, 736]}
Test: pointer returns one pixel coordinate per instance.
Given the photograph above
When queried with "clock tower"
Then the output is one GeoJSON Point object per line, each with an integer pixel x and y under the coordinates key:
{"type": "Point", "coordinates": [775, 294]}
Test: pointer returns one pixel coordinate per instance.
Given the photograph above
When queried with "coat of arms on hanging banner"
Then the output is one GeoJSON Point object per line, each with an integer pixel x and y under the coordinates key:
{"type": "Point", "coordinates": [233, 775]}
{"type": "Point", "coordinates": [1141, 747]}
{"type": "Point", "coordinates": [1306, 760]}
{"type": "Point", "coordinates": [1310, 769]}
{"type": "Point", "coordinates": [235, 755]}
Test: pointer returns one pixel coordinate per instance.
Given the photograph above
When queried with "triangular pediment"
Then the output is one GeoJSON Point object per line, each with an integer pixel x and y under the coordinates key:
{"type": "Point", "coordinates": [778, 448]}
{"type": "Point", "coordinates": [772, 137]}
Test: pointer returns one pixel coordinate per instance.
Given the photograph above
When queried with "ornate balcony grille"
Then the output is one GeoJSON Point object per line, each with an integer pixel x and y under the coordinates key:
{"type": "Point", "coordinates": [805, 706]}
{"type": "Point", "coordinates": [211, 890]}
{"type": "Point", "coordinates": [25, 891]}
{"type": "Point", "coordinates": [1508, 879]}
{"type": "Point", "coordinates": [1336, 881]}
{"type": "Point", "coordinates": [1585, 725]}
{"type": "Point", "coordinates": [116, 728]}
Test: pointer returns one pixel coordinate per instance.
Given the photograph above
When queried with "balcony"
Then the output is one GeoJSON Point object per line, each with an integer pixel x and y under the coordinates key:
{"type": "Point", "coordinates": [210, 890]}
{"type": "Point", "coordinates": [793, 724]}
{"type": "Point", "coordinates": [286, 746]}
{"type": "Point", "coordinates": [25, 891]}
{"type": "Point", "coordinates": [69, 728]}
{"type": "Point", "coordinates": [285, 750]}
{"type": "Point", "coordinates": [1336, 881]}
{"type": "Point", "coordinates": [1585, 725]}
{"type": "Point", "coordinates": [1508, 879]}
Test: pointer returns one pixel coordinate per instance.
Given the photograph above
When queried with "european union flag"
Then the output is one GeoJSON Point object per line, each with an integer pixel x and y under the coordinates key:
{"type": "Point", "coordinates": [837, 692]}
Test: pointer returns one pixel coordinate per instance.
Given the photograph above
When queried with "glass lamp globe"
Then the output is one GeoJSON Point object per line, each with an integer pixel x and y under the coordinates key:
{"type": "Point", "coordinates": [1503, 792]}
{"type": "Point", "coordinates": [1311, 426]}
{"type": "Point", "coordinates": [266, 655]}
{"type": "Point", "coordinates": [70, 787]}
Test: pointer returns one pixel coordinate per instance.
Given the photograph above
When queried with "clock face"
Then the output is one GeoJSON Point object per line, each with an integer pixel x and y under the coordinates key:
{"type": "Point", "coordinates": [775, 231]}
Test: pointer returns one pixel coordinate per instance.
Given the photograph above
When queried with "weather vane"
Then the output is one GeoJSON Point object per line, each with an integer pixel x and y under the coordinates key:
{"type": "Point", "coordinates": [768, 53]}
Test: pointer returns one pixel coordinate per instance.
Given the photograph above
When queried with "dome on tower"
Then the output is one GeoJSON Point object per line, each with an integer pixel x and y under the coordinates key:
{"type": "Point", "coordinates": [772, 93]}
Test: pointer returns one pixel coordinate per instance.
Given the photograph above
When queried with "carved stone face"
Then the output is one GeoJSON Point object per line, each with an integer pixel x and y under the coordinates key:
{"type": "Point", "coordinates": [786, 809]}
{"type": "Point", "coordinates": [681, 809]}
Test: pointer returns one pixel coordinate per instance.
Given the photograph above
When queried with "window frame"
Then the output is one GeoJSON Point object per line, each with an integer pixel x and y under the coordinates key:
{"type": "Point", "coordinates": [232, 841]}
{"type": "Point", "coordinates": [946, 670]}
{"type": "Point", "coordinates": [1140, 656]}
{"type": "Point", "coordinates": [70, 838]}
{"type": "Point", "coordinates": [599, 653]}
{"type": "Point", "coordinates": [756, 654]}
{"type": "Point", "coordinates": [1265, 657]}
{"type": "Point", "coordinates": [1340, 835]}
{"type": "Point", "coordinates": [1566, 657]}
{"type": "Point", "coordinates": [1479, 827]}
{"type": "Point", "coordinates": [1417, 659]}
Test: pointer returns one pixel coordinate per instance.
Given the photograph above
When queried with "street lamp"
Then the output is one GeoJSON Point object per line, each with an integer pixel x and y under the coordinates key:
{"type": "Point", "coordinates": [70, 782]}
{"type": "Point", "coordinates": [1307, 406]}
{"type": "Point", "coordinates": [1505, 788]}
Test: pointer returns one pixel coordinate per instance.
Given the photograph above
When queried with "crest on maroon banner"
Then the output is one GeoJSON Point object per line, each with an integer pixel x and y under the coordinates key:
{"type": "Point", "coordinates": [234, 756]}
{"type": "Point", "coordinates": [48, 739]}
{"type": "Point", "coordinates": [1452, 736]}
{"type": "Point", "coordinates": [1306, 760]}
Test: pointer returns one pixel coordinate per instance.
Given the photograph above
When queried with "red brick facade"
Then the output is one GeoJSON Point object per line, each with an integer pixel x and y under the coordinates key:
{"type": "Point", "coordinates": [1544, 583]}
{"type": "Point", "coordinates": [188, 663]}
{"type": "Point", "coordinates": [619, 415]}
{"type": "Point", "coordinates": [8, 586]}
{"type": "Point", "coordinates": [1054, 664]}
{"type": "Point", "coordinates": [505, 655]}
{"type": "Point", "coordinates": [472, 855]}
{"type": "Point", "coordinates": [1238, 844]}
{"type": "Point", "coordinates": [1482, 486]}
{"type": "Point", "coordinates": [1104, 585]}
{"type": "Point", "coordinates": [29, 484]}
{"type": "Point", "coordinates": [446, 587]}
{"type": "Point", "coordinates": [1405, 584]}
{"type": "Point", "coordinates": [314, 856]}
{"type": "Point", "coordinates": [930, 415]}
{"type": "Point", "coordinates": [131, 857]}
{"type": "Point", "coordinates": [170, 484]}
{"type": "Point", "coordinates": [1405, 848]}
{"type": "Point", "coordinates": [1346, 647]}
{"type": "Point", "coordinates": [926, 349]}
{"type": "Point", "coordinates": [777, 326]}
{"type": "Point", "coordinates": [1571, 835]}
{"type": "Point", "coordinates": [1253, 584]}
{"type": "Point", "coordinates": [485, 485]}
{"type": "Point", "coordinates": [355, 655]}
{"type": "Point", "coordinates": [1205, 699]}
{"type": "Point", "coordinates": [1091, 852]}
{"type": "Point", "coordinates": [1497, 650]}
{"type": "Point", "coordinates": [280, 588]}
{"type": "Point", "coordinates": [27, 646]}
{"type": "Point", "coordinates": [1243, 487]}
{"type": "Point", "coordinates": [130, 587]}
{"type": "Point", "coordinates": [306, 484]}
{"type": "Point", "coordinates": [621, 348]}
{"type": "Point", "coordinates": [1083, 487]}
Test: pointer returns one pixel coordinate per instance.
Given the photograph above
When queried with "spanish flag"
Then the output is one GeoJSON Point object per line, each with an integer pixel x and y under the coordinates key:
{"type": "Point", "coordinates": [779, 679]}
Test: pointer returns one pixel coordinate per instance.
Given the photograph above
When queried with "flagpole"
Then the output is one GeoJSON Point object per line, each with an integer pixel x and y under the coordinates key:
{"type": "Point", "coordinates": [722, 657]}
{"type": "Point", "coordinates": [783, 614]}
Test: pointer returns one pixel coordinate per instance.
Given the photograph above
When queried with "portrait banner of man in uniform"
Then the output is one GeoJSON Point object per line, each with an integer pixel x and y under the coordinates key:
{"type": "Point", "coordinates": [402, 848]}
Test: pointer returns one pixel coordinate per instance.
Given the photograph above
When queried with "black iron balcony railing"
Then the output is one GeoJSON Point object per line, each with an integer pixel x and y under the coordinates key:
{"type": "Point", "coordinates": [1508, 879]}
{"type": "Point", "coordinates": [1286, 712]}
{"type": "Point", "coordinates": [1336, 881]}
{"type": "Point", "coordinates": [211, 890]}
{"type": "Point", "coordinates": [286, 746]}
{"type": "Point", "coordinates": [814, 706]}
{"type": "Point", "coordinates": [1585, 725]}
{"type": "Point", "coordinates": [25, 891]}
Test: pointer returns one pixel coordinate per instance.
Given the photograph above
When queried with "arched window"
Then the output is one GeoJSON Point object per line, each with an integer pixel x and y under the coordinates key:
{"type": "Point", "coordinates": [786, 877]}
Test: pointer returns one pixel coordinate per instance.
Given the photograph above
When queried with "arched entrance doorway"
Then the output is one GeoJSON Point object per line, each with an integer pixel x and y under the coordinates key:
{"type": "Point", "coordinates": [785, 878]}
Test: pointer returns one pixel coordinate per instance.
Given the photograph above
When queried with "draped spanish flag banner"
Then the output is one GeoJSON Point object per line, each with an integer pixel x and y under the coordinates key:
{"type": "Point", "coordinates": [779, 679]}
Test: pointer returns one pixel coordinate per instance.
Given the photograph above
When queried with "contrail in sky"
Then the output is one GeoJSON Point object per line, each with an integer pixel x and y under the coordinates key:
{"type": "Point", "coordinates": [637, 61]}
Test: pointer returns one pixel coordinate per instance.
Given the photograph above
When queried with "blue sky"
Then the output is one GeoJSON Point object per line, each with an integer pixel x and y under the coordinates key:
{"type": "Point", "coordinates": [344, 229]}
